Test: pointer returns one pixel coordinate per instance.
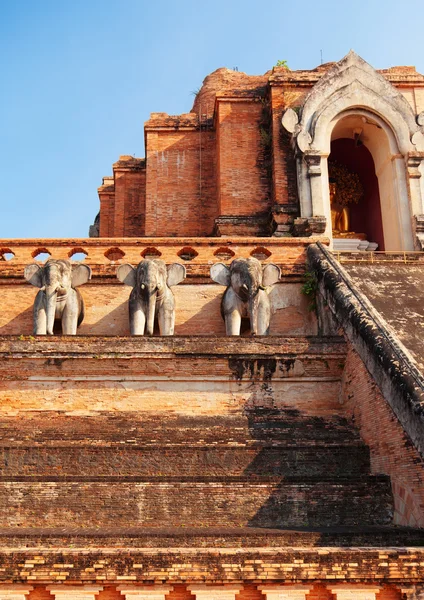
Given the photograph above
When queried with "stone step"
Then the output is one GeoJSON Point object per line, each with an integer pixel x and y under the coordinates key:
{"type": "Point", "coordinates": [174, 460]}
{"type": "Point", "coordinates": [226, 502]}
{"type": "Point", "coordinates": [182, 375]}
{"type": "Point", "coordinates": [212, 537]}
{"type": "Point", "coordinates": [285, 427]}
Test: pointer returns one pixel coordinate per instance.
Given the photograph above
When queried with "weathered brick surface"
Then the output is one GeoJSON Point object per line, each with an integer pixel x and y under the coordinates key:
{"type": "Point", "coordinates": [243, 190]}
{"type": "Point", "coordinates": [229, 503]}
{"type": "Point", "coordinates": [249, 592]}
{"type": "Point", "coordinates": [210, 162]}
{"type": "Point", "coordinates": [391, 450]}
{"type": "Point", "coordinates": [330, 565]}
{"type": "Point", "coordinates": [82, 461]}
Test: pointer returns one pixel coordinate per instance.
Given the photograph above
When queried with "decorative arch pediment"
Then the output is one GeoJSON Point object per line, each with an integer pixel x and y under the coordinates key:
{"type": "Point", "coordinates": [353, 83]}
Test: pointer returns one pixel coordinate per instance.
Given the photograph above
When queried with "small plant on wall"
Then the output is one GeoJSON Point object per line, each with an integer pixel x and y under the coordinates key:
{"type": "Point", "coordinates": [309, 289]}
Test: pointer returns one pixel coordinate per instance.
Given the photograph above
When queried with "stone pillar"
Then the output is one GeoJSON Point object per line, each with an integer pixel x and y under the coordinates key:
{"type": "Point", "coordinates": [14, 592]}
{"type": "Point", "coordinates": [74, 592]}
{"type": "Point", "coordinates": [285, 592]}
{"type": "Point", "coordinates": [360, 592]}
{"type": "Point", "coordinates": [215, 592]}
{"type": "Point", "coordinates": [144, 592]}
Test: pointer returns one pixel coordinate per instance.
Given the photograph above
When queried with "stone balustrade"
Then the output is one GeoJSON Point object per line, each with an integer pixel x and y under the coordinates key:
{"type": "Point", "coordinates": [196, 251]}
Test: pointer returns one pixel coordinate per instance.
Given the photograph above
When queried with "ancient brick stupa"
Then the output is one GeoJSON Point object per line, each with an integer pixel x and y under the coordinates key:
{"type": "Point", "coordinates": [269, 443]}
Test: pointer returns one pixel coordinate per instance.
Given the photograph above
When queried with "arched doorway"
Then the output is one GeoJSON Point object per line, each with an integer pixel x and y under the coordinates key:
{"type": "Point", "coordinates": [351, 153]}
{"type": "Point", "coordinates": [366, 145]}
{"type": "Point", "coordinates": [353, 101]}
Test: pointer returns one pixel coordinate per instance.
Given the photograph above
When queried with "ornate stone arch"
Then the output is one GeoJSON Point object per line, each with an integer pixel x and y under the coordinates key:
{"type": "Point", "coordinates": [353, 86]}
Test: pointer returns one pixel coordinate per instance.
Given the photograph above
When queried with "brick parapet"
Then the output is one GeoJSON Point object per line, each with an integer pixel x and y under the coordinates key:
{"type": "Point", "coordinates": [289, 251]}
{"type": "Point", "coordinates": [332, 565]}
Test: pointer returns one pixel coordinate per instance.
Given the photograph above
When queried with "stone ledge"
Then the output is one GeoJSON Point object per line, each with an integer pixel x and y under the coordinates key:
{"type": "Point", "coordinates": [133, 538]}
{"type": "Point", "coordinates": [90, 346]}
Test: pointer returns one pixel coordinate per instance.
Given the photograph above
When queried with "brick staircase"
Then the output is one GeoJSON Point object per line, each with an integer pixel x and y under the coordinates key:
{"type": "Point", "coordinates": [276, 470]}
{"type": "Point", "coordinates": [271, 464]}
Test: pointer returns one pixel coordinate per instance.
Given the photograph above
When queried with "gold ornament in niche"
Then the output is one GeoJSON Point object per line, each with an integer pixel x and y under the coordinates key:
{"type": "Point", "coordinates": [345, 189]}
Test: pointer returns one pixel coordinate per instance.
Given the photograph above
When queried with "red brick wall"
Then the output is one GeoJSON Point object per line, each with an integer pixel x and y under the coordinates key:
{"type": "Point", "coordinates": [243, 190]}
{"type": "Point", "coordinates": [174, 205]}
{"type": "Point", "coordinates": [107, 211]}
{"type": "Point", "coordinates": [392, 452]}
{"type": "Point", "coordinates": [320, 592]}
{"type": "Point", "coordinates": [40, 593]}
{"type": "Point", "coordinates": [389, 593]}
{"type": "Point", "coordinates": [130, 188]}
{"type": "Point", "coordinates": [180, 592]}
{"type": "Point", "coordinates": [109, 593]}
{"type": "Point", "coordinates": [284, 165]}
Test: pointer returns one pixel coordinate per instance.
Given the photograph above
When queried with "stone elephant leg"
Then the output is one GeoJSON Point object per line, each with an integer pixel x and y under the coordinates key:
{"type": "Point", "coordinates": [70, 313]}
{"type": "Point", "coordinates": [233, 323]}
{"type": "Point", "coordinates": [137, 317]}
{"type": "Point", "coordinates": [40, 317]}
{"type": "Point", "coordinates": [166, 320]}
{"type": "Point", "coordinates": [264, 313]}
{"type": "Point", "coordinates": [166, 314]}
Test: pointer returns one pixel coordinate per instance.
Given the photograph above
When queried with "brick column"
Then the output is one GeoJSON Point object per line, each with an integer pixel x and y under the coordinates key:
{"type": "Point", "coordinates": [14, 592]}
{"type": "Point", "coordinates": [360, 592]}
{"type": "Point", "coordinates": [74, 592]}
{"type": "Point", "coordinates": [285, 592]}
{"type": "Point", "coordinates": [215, 592]}
{"type": "Point", "coordinates": [144, 592]}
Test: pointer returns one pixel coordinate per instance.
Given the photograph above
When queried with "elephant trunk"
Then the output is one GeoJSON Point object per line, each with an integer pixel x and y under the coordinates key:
{"type": "Point", "coordinates": [51, 297]}
{"type": "Point", "coordinates": [253, 313]}
{"type": "Point", "coordinates": [150, 316]}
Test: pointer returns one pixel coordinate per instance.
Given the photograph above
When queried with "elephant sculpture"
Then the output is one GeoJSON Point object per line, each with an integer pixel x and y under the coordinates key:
{"type": "Point", "coordinates": [58, 298]}
{"type": "Point", "coordinates": [246, 294]}
{"type": "Point", "coordinates": [151, 295]}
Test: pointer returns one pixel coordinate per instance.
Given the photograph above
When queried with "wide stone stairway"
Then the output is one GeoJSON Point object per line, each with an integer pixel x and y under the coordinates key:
{"type": "Point", "coordinates": [185, 442]}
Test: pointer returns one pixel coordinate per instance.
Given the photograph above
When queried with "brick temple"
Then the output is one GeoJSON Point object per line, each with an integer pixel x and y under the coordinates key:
{"type": "Point", "coordinates": [198, 465]}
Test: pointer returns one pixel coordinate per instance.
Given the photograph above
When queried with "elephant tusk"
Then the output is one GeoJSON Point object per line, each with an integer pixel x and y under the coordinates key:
{"type": "Point", "coordinates": [244, 286]}
{"type": "Point", "coordinates": [142, 286]}
{"type": "Point", "coordinates": [261, 287]}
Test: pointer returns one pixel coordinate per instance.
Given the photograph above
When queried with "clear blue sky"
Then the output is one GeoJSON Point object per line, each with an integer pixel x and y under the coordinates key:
{"type": "Point", "coordinates": [79, 78]}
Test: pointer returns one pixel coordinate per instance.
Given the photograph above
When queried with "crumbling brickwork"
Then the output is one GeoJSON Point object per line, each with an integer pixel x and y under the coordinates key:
{"type": "Point", "coordinates": [226, 158]}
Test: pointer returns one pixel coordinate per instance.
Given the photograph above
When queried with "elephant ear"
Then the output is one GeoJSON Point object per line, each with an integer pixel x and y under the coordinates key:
{"type": "Point", "coordinates": [176, 273]}
{"type": "Point", "coordinates": [220, 273]}
{"type": "Point", "coordinates": [270, 274]}
{"type": "Point", "coordinates": [80, 274]}
{"type": "Point", "coordinates": [127, 274]}
{"type": "Point", "coordinates": [33, 274]}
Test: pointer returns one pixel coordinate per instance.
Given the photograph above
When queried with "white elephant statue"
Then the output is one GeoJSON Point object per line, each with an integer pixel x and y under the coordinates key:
{"type": "Point", "coordinates": [151, 295]}
{"type": "Point", "coordinates": [246, 294]}
{"type": "Point", "coordinates": [57, 300]}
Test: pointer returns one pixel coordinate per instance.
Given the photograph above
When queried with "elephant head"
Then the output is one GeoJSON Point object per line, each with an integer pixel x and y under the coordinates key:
{"type": "Point", "coordinates": [151, 295]}
{"type": "Point", "coordinates": [56, 279]}
{"type": "Point", "coordinates": [246, 281]}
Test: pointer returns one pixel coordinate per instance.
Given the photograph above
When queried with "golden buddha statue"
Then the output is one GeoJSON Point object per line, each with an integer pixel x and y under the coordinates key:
{"type": "Point", "coordinates": [339, 213]}
{"type": "Point", "coordinates": [345, 189]}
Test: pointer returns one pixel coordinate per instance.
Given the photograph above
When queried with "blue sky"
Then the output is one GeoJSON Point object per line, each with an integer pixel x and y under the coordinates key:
{"type": "Point", "coordinates": [79, 78]}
